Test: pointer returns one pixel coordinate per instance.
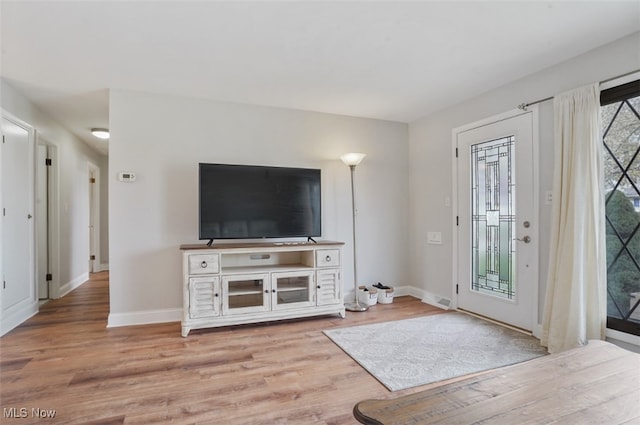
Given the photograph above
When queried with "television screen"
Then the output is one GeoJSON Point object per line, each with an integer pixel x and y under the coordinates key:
{"type": "Point", "coordinates": [248, 201]}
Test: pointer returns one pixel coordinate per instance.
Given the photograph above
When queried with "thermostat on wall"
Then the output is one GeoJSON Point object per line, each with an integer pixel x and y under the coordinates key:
{"type": "Point", "coordinates": [127, 177]}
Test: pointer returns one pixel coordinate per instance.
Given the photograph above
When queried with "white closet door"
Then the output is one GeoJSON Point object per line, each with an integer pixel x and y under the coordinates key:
{"type": "Point", "coordinates": [18, 284]}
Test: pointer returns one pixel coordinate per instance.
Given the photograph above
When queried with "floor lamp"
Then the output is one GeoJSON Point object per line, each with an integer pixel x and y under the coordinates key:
{"type": "Point", "coordinates": [353, 159]}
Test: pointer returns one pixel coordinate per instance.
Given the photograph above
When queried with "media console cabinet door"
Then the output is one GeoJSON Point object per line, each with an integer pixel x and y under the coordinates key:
{"type": "Point", "coordinates": [329, 287]}
{"type": "Point", "coordinates": [292, 290]}
{"type": "Point", "coordinates": [204, 297]}
{"type": "Point", "coordinates": [246, 293]}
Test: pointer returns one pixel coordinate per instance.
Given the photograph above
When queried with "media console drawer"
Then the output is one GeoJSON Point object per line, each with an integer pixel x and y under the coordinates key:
{"type": "Point", "coordinates": [327, 258]}
{"type": "Point", "coordinates": [204, 263]}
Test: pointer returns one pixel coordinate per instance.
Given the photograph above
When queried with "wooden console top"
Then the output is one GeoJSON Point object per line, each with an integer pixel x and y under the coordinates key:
{"type": "Point", "coordinates": [257, 245]}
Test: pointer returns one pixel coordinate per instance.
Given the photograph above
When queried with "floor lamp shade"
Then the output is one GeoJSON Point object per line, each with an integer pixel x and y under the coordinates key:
{"type": "Point", "coordinates": [353, 159]}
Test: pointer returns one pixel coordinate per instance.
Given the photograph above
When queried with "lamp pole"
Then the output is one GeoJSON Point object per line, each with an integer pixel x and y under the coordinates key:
{"type": "Point", "coordinates": [352, 160]}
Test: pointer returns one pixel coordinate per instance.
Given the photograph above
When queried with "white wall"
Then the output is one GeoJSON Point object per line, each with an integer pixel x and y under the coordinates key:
{"type": "Point", "coordinates": [162, 139]}
{"type": "Point", "coordinates": [430, 141]}
{"type": "Point", "coordinates": [73, 159]}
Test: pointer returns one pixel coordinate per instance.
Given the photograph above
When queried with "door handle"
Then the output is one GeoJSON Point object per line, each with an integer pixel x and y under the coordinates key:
{"type": "Point", "coordinates": [525, 239]}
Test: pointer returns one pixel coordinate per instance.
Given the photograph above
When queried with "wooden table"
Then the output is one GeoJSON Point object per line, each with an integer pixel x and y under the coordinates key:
{"type": "Point", "coordinates": [595, 384]}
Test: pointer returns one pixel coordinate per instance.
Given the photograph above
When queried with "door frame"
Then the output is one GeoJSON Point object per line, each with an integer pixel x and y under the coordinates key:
{"type": "Point", "coordinates": [42, 213]}
{"type": "Point", "coordinates": [535, 272]}
{"type": "Point", "coordinates": [93, 171]}
{"type": "Point", "coordinates": [54, 215]}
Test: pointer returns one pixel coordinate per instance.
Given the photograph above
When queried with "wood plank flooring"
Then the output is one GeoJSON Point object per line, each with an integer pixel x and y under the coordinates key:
{"type": "Point", "coordinates": [64, 359]}
{"type": "Point", "coordinates": [596, 384]}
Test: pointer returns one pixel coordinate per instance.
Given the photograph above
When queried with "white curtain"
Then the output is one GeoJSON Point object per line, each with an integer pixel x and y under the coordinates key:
{"type": "Point", "coordinates": [575, 305]}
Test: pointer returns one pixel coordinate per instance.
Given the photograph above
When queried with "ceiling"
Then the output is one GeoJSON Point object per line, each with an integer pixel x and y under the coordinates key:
{"type": "Point", "coordinates": [394, 61]}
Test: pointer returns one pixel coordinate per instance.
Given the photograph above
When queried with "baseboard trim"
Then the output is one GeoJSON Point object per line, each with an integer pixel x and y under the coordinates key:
{"type": "Point", "coordinates": [14, 319]}
{"type": "Point", "coordinates": [147, 317]}
{"type": "Point", "coordinates": [70, 286]}
{"type": "Point", "coordinates": [408, 290]}
{"type": "Point", "coordinates": [398, 291]}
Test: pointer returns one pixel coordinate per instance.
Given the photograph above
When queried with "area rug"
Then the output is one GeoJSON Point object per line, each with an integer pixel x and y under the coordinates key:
{"type": "Point", "coordinates": [408, 353]}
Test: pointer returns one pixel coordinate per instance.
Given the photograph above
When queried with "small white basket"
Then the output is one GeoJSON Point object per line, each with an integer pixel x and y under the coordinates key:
{"type": "Point", "coordinates": [368, 297]}
{"type": "Point", "coordinates": [385, 296]}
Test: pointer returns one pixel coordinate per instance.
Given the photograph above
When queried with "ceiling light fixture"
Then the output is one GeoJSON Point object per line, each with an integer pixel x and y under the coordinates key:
{"type": "Point", "coordinates": [100, 133]}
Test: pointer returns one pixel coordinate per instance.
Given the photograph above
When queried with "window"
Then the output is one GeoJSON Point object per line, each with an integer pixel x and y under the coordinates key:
{"type": "Point", "coordinates": [620, 111]}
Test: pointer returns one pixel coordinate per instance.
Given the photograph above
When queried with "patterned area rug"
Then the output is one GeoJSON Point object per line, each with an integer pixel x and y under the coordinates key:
{"type": "Point", "coordinates": [408, 353]}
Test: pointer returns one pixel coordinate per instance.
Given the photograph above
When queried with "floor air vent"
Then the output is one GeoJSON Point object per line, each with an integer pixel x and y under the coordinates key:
{"type": "Point", "coordinates": [443, 303]}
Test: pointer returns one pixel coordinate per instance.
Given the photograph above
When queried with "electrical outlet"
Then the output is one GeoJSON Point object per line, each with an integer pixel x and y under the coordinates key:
{"type": "Point", "coordinates": [548, 199]}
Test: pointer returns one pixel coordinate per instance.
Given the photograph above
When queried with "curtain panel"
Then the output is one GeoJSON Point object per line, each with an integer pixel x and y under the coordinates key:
{"type": "Point", "coordinates": [575, 303]}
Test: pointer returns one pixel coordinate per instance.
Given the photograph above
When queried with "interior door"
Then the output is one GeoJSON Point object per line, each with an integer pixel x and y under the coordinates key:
{"type": "Point", "coordinates": [497, 229]}
{"type": "Point", "coordinates": [18, 284]}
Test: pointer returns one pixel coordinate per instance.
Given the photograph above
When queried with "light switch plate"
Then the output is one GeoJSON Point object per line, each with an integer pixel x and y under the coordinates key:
{"type": "Point", "coordinates": [434, 238]}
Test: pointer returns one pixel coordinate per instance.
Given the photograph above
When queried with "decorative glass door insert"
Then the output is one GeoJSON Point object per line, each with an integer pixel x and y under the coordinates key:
{"type": "Point", "coordinates": [493, 220]}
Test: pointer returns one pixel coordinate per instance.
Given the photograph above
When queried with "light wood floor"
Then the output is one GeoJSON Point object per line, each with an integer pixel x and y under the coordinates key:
{"type": "Point", "coordinates": [65, 359]}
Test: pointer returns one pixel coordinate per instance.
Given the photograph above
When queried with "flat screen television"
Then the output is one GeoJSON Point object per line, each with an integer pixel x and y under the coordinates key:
{"type": "Point", "coordinates": [254, 202]}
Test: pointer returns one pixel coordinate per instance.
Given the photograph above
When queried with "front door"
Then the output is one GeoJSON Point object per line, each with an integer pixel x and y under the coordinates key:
{"type": "Point", "coordinates": [497, 228]}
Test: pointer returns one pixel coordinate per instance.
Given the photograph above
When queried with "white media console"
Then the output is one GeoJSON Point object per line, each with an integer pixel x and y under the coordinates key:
{"type": "Point", "coordinates": [236, 283]}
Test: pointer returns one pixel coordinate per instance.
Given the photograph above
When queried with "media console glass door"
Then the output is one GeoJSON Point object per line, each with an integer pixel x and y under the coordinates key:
{"type": "Point", "coordinates": [245, 293]}
{"type": "Point", "coordinates": [292, 290]}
